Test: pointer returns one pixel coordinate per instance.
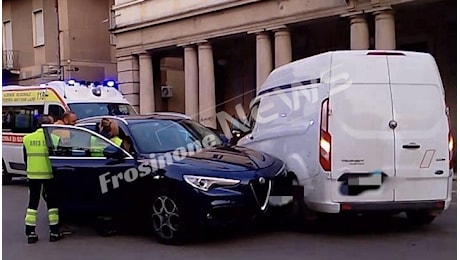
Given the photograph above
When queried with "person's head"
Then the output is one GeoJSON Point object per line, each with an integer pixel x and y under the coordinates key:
{"type": "Point", "coordinates": [108, 128]}
{"type": "Point", "coordinates": [44, 119]}
{"type": "Point", "coordinates": [69, 118]}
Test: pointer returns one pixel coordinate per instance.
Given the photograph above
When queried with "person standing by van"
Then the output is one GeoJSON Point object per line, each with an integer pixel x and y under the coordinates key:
{"type": "Point", "coordinates": [40, 176]}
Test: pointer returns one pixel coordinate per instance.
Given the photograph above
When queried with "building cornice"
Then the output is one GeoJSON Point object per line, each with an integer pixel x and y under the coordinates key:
{"type": "Point", "coordinates": [339, 11]}
{"type": "Point", "coordinates": [179, 15]}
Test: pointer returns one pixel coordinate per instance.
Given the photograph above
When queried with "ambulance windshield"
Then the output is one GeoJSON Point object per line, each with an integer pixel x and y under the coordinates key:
{"type": "Point", "coordinates": [84, 110]}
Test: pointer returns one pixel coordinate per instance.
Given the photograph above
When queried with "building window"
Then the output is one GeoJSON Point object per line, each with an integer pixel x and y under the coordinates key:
{"type": "Point", "coordinates": [38, 28]}
{"type": "Point", "coordinates": [7, 36]}
{"type": "Point", "coordinates": [8, 54]}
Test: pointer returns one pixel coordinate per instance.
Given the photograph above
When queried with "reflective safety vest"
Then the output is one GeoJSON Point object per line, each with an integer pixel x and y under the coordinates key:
{"type": "Point", "coordinates": [55, 140]}
{"type": "Point", "coordinates": [117, 140]}
{"type": "Point", "coordinates": [97, 148]}
{"type": "Point", "coordinates": [38, 162]}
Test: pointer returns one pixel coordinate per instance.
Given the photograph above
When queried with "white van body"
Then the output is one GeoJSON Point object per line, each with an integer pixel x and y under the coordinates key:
{"type": "Point", "coordinates": [346, 121]}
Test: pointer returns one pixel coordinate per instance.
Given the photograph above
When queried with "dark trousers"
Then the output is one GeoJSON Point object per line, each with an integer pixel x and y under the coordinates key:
{"type": "Point", "coordinates": [38, 188]}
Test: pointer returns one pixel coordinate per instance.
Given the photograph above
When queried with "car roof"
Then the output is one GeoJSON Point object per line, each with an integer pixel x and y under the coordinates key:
{"type": "Point", "coordinates": [126, 119]}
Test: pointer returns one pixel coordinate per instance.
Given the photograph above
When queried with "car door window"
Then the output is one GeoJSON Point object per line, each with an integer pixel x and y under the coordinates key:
{"type": "Point", "coordinates": [80, 143]}
{"type": "Point", "coordinates": [90, 126]}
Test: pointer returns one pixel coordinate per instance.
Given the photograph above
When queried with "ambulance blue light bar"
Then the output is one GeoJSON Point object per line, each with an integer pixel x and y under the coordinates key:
{"type": "Point", "coordinates": [71, 82]}
{"type": "Point", "coordinates": [110, 84]}
{"type": "Point", "coordinates": [83, 83]}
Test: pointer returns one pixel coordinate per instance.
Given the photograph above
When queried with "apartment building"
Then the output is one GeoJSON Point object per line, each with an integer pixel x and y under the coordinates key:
{"type": "Point", "coordinates": [217, 52]}
{"type": "Point", "coordinates": [47, 40]}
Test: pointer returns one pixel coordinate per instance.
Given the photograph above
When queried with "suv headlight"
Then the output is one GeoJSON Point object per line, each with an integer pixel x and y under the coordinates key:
{"type": "Point", "coordinates": [206, 183]}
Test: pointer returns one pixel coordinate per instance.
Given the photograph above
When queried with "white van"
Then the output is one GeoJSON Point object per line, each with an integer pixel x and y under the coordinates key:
{"type": "Point", "coordinates": [360, 130]}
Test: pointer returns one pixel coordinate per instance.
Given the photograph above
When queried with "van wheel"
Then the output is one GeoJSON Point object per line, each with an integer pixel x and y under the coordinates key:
{"type": "Point", "coordinates": [168, 219]}
{"type": "Point", "coordinates": [7, 179]}
{"type": "Point", "coordinates": [420, 217]}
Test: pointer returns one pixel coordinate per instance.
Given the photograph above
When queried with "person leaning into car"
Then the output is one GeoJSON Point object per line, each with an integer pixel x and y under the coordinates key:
{"type": "Point", "coordinates": [40, 176]}
{"type": "Point", "coordinates": [108, 129]}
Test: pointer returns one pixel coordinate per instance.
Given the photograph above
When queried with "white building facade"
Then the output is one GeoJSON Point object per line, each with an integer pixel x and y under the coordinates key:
{"type": "Point", "coordinates": [215, 53]}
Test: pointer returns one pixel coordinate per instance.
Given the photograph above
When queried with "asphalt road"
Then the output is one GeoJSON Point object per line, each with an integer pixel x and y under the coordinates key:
{"type": "Point", "coordinates": [335, 238]}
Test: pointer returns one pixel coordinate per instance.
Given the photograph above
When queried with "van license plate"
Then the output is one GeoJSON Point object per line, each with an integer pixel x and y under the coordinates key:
{"type": "Point", "coordinates": [371, 180]}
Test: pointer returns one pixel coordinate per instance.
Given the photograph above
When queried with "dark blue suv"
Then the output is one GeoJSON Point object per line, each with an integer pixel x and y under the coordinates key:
{"type": "Point", "coordinates": [170, 170]}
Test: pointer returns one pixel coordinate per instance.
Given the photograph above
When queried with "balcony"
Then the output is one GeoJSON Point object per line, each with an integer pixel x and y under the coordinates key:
{"type": "Point", "coordinates": [10, 60]}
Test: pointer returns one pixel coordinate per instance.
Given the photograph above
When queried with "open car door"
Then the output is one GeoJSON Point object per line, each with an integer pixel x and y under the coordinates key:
{"type": "Point", "coordinates": [88, 169]}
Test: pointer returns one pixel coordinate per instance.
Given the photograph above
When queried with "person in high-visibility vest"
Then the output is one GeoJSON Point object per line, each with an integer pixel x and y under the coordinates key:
{"type": "Point", "coordinates": [108, 129]}
{"type": "Point", "coordinates": [40, 176]}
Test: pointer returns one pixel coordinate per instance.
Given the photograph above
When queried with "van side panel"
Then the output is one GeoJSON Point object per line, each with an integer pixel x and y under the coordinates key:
{"type": "Point", "coordinates": [421, 137]}
{"type": "Point", "coordinates": [362, 141]}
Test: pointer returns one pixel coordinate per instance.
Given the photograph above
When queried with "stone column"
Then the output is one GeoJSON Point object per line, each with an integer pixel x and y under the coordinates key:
{"type": "Point", "coordinates": [207, 96]}
{"type": "Point", "coordinates": [359, 32]}
{"type": "Point", "coordinates": [191, 81]}
{"type": "Point", "coordinates": [385, 36]}
{"type": "Point", "coordinates": [264, 57]}
{"type": "Point", "coordinates": [146, 90]}
{"type": "Point", "coordinates": [128, 79]}
{"type": "Point", "coordinates": [283, 46]}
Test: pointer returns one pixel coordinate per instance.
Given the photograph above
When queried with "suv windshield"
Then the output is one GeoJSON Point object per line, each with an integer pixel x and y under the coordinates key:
{"type": "Point", "coordinates": [84, 110]}
{"type": "Point", "coordinates": [161, 136]}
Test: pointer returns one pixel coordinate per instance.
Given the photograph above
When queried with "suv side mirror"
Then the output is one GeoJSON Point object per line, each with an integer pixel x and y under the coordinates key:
{"type": "Point", "coordinates": [112, 152]}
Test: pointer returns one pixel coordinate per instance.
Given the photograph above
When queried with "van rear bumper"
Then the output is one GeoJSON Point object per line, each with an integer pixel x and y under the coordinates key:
{"type": "Point", "coordinates": [344, 207]}
{"type": "Point", "coordinates": [392, 206]}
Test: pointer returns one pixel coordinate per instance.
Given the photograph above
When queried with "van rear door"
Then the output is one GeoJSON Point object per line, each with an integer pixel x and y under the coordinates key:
{"type": "Point", "coordinates": [361, 140]}
{"type": "Point", "coordinates": [421, 135]}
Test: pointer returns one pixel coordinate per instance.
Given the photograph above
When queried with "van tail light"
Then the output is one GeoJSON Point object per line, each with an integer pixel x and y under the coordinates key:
{"type": "Point", "coordinates": [325, 140]}
{"type": "Point", "coordinates": [451, 151]}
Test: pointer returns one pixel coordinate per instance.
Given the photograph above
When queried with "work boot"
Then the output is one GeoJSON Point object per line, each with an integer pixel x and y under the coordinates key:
{"type": "Point", "coordinates": [56, 236]}
{"type": "Point", "coordinates": [32, 238]}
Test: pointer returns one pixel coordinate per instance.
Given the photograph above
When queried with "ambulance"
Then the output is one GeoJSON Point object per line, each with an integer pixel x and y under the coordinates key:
{"type": "Point", "coordinates": [22, 105]}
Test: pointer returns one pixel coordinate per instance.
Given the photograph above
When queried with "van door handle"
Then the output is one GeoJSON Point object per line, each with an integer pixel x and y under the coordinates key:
{"type": "Point", "coordinates": [411, 146]}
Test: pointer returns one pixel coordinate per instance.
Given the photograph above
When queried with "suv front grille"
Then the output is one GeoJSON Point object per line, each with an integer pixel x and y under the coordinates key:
{"type": "Point", "coordinates": [261, 192]}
